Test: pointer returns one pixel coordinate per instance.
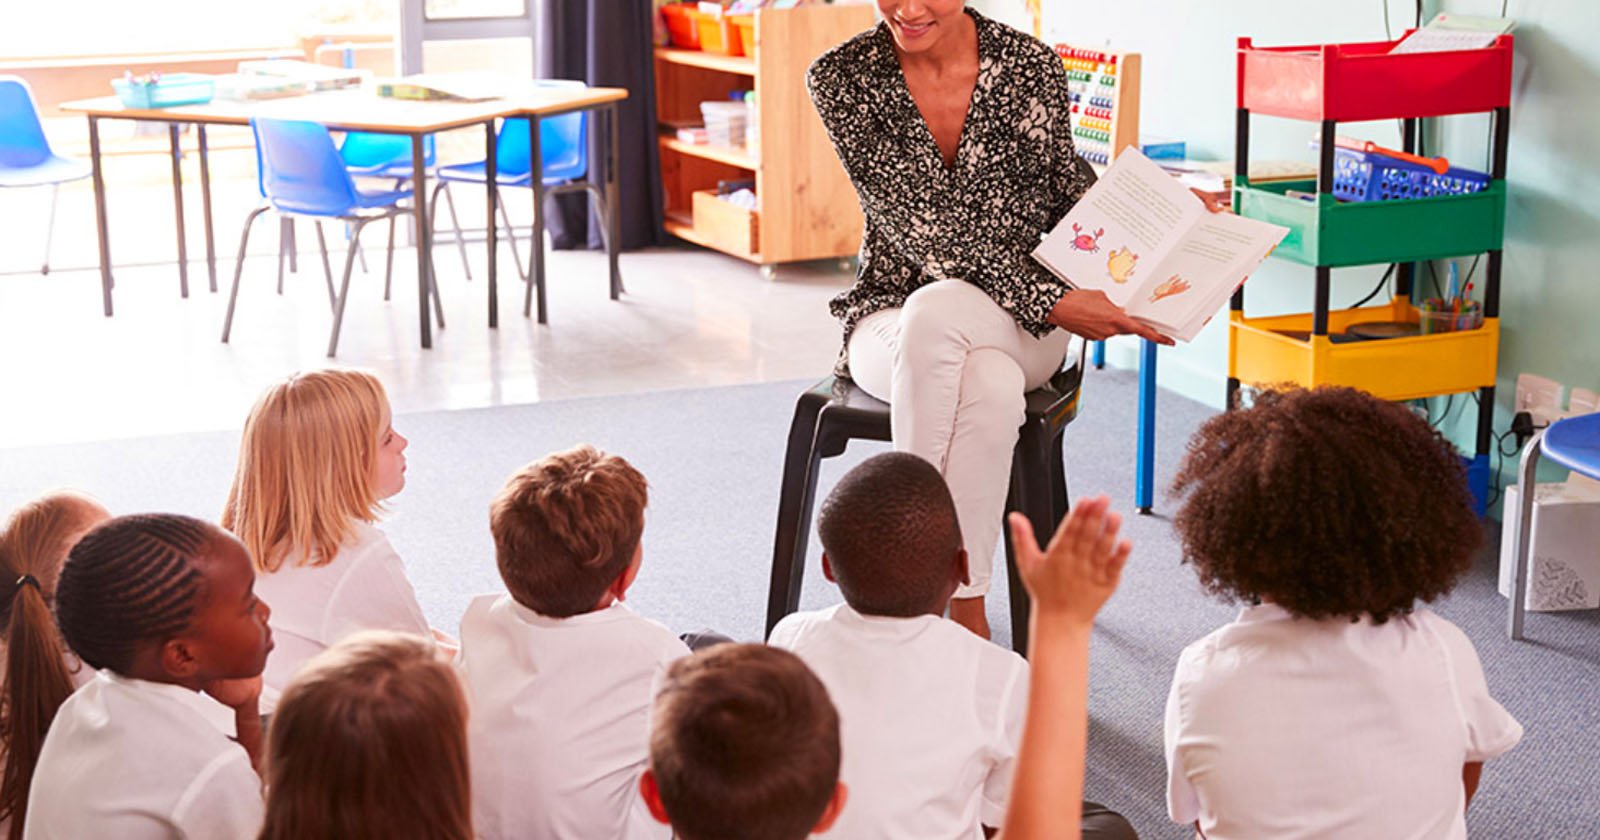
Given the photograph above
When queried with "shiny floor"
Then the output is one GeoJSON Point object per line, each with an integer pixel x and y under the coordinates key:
{"type": "Point", "coordinates": [690, 318]}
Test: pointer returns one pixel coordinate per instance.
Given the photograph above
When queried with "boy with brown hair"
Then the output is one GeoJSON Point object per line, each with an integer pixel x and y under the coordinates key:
{"type": "Point", "coordinates": [559, 671]}
{"type": "Point", "coordinates": [744, 742]}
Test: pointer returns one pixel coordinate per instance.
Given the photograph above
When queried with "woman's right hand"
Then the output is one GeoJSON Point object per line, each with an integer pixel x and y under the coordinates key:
{"type": "Point", "coordinates": [1089, 314]}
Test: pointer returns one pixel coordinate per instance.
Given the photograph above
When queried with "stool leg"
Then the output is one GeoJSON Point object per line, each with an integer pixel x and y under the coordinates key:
{"type": "Point", "coordinates": [1033, 494]}
{"type": "Point", "coordinates": [799, 487]}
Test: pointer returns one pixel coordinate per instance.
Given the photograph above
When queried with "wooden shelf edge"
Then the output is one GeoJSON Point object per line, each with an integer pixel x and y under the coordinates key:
{"type": "Point", "coordinates": [684, 229]}
{"type": "Point", "coordinates": [722, 154]}
{"type": "Point", "coordinates": [741, 65]}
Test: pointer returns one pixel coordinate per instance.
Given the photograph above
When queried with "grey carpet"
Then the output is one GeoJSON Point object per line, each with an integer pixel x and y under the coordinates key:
{"type": "Point", "coordinates": [714, 459]}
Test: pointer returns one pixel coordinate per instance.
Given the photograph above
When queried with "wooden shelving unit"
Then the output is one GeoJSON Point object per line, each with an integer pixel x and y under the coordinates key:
{"type": "Point", "coordinates": [806, 208]}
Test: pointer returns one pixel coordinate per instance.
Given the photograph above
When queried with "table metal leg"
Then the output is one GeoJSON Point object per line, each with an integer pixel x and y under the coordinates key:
{"type": "Point", "coordinates": [1526, 486]}
{"type": "Point", "coordinates": [536, 259]}
{"type": "Point", "coordinates": [177, 206]}
{"type": "Point", "coordinates": [419, 175]}
{"type": "Point", "coordinates": [490, 176]}
{"type": "Point", "coordinates": [205, 205]}
{"type": "Point", "coordinates": [613, 212]}
{"type": "Point", "coordinates": [102, 229]}
{"type": "Point", "coordinates": [1145, 459]}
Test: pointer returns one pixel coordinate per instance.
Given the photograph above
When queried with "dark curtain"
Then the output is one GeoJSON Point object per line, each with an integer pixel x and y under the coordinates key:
{"type": "Point", "coordinates": [608, 43]}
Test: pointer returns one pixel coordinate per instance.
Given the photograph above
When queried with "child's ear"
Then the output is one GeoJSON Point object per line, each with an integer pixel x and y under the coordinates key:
{"type": "Point", "coordinates": [178, 659]}
{"type": "Point", "coordinates": [827, 569]}
{"type": "Point", "coordinates": [619, 587]}
{"type": "Point", "coordinates": [961, 570]}
{"type": "Point", "coordinates": [652, 797]}
{"type": "Point", "coordinates": [835, 807]}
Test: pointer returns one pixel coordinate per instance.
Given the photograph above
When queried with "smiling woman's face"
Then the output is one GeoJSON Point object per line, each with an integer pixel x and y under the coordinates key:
{"type": "Point", "coordinates": [919, 24]}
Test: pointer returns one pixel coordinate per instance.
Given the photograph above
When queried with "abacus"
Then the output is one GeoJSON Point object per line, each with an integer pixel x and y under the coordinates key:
{"type": "Point", "coordinates": [1104, 90]}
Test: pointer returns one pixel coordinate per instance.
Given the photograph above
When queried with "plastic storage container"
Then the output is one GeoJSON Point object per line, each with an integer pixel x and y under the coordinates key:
{"type": "Point", "coordinates": [725, 122]}
{"type": "Point", "coordinates": [1323, 231]}
{"type": "Point", "coordinates": [1374, 176]}
{"type": "Point", "coordinates": [717, 34]}
{"type": "Point", "coordinates": [682, 30]}
{"type": "Point", "coordinates": [169, 90]}
{"type": "Point", "coordinates": [745, 28]}
{"type": "Point", "coordinates": [1354, 82]}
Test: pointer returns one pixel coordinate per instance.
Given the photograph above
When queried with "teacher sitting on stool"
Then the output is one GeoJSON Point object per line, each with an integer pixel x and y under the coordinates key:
{"type": "Point", "coordinates": [954, 130]}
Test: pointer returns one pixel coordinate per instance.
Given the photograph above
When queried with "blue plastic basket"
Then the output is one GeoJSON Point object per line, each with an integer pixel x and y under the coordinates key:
{"type": "Point", "coordinates": [170, 90]}
{"type": "Point", "coordinates": [1373, 176]}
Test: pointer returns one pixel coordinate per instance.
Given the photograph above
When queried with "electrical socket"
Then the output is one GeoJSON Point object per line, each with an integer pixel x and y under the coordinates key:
{"type": "Point", "coordinates": [1540, 397]}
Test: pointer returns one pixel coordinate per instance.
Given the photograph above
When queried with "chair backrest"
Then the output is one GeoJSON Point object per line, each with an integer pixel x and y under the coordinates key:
{"type": "Point", "coordinates": [362, 149]}
{"type": "Point", "coordinates": [22, 140]}
{"type": "Point", "coordinates": [301, 171]}
{"type": "Point", "coordinates": [563, 142]}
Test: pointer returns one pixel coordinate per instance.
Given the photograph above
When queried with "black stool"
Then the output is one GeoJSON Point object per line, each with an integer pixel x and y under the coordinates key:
{"type": "Point", "coordinates": [835, 412]}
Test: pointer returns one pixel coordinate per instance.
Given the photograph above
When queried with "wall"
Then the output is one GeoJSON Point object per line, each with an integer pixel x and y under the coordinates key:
{"type": "Point", "coordinates": [1550, 295]}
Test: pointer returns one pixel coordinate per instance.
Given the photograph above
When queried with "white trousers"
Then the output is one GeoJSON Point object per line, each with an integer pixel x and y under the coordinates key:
{"type": "Point", "coordinates": [953, 367]}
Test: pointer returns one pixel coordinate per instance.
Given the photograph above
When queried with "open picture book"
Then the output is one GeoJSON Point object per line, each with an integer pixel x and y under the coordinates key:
{"type": "Point", "coordinates": [1150, 244]}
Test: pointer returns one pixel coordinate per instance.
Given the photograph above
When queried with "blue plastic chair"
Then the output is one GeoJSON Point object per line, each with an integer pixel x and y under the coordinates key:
{"type": "Point", "coordinates": [1573, 443]}
{"type": "Point", "coordinates": [564, 151]}
{"type": "Point", "coordinates": [26, 159]}
{"type": "Point", "coordinates": [302, 175]}
{"type": "Point", "coordinates": [369, 155]}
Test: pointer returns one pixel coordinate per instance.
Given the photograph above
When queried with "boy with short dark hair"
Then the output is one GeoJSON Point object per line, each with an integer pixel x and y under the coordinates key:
{"type": "Point", "coordinates": [930, 714]}
{"type": "Point", "coordinates": [559, 671]}
{"type": "Point", "coordinates": [744, 743]}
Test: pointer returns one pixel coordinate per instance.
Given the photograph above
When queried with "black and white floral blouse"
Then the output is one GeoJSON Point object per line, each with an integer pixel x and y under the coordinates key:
{"type": "Point", "coordinates": [1014, 175]}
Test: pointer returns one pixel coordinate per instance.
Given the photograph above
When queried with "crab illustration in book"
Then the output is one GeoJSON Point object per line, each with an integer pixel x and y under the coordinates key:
{"type": "Point", "coordinates": [1120, 263]}
{"type": "Point", "coordinates": [1086, 242]}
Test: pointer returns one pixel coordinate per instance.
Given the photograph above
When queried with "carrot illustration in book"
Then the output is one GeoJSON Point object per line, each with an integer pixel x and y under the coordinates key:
{"type": "Point", "coordinates": [1174, 285]}
{"type": "Point", "coordinates": [1120, 264]}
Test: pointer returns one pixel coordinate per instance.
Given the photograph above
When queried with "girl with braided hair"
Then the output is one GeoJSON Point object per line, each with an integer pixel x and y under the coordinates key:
{"type": "Point", "coordinates": [38, 669]}
{"type": "Point", "coordinates": [164, 607]}
{"type": "Point", "coordinates": [319, 456]}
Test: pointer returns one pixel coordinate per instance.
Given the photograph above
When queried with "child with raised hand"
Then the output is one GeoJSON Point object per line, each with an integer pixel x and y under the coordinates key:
{"type": "Point", "coordinates": [1335, 705]}
{"type": "Point", "coordinates": [164, 606]}
{"type": "Point", "coordinates": [369, 742]}
{"type": "Point", "coordinates": [318, 457]}
{"type": "Point", "coordinates": [744, 743]}
{"type": "Point", "coordinates": [38, 669]}
{"type": "Point", "coordinates": [559, 670]}
{"type": "Point", "coordinates": [1068, 581]}
{"type": "Point", "coordinates": [930, 714]}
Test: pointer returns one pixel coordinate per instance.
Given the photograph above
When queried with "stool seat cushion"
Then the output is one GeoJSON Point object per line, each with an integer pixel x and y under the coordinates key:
{"type": "Point", "coordinates": [1574, 443]}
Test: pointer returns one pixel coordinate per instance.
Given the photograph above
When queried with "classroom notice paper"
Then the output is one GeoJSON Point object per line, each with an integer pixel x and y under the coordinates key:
{"type": "Point", "coordinates": [1150, 244]}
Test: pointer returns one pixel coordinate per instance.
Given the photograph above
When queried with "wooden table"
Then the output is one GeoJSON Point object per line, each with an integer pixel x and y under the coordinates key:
{"type": "Point", "coordinates": [356, 110]}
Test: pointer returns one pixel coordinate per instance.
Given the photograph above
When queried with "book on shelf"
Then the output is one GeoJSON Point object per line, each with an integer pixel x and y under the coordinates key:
{"type": "Point", "coordinates": [1150, 244]}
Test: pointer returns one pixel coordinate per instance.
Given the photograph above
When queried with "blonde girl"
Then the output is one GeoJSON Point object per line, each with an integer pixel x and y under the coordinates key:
{"type": "Point", "coordinates": [318, 458]}
{"type": "Point", "coordinates": [369, 741]}
{"type": "Point", "coordinates": [39, 670]}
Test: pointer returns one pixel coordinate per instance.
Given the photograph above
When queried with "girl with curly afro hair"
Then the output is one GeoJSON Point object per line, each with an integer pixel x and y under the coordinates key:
{"type": "Point", "coordinates": [1335, 705]}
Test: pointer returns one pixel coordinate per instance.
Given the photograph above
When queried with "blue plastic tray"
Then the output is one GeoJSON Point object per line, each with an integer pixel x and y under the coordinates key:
{"type": "Point", "coordinates": [170, 90]}
{"type": "Point", "coordinates": [1373, 176]}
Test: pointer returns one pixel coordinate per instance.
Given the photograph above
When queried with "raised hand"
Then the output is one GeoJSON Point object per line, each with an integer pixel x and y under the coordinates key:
{"type": "Point", "coordinates": [1079, 569]}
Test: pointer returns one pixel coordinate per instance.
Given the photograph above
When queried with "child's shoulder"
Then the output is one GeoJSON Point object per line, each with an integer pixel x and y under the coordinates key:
{"type": "Point", "coordinates": [616, 626]}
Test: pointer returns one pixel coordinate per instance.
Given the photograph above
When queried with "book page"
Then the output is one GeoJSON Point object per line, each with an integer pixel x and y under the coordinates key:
{"type": "Point", "coordinates": [1123, 225]}
{"type": "Point", "coordinates": [1199, 275]}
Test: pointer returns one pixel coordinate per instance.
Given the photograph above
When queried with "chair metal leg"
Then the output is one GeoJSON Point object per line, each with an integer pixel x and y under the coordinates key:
{"type": "Point", "coordinates": [50, 227]}
{"type": "Point", "coordinates": [344, 288]}
{"type": "Point", "coordinates": [361, 256]}
{"type": "Point", "coordinates": [800, 466]}
{"type": "Point", "coordinates": [238, 271]}
{"type": "Point", "coordinates": [455, 223]}
{"type": "Point", "coordinates": [1527, 487]}
{"type": "Point", "coordinates": [327, 269]}
{"type": "Point", "coordinates": [388, 259]}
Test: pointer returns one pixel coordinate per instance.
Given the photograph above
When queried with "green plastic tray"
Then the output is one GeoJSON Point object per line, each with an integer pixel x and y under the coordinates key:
{"type": "Point", "coordinates": [1325, 232]}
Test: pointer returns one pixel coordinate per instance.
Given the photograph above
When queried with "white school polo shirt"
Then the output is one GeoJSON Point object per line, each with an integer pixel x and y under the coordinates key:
{"type": "Point", "coordinates": [1289, 728]}
{"type": "Point", "coordinates": [363, 588]}
{"type": "Point", "coordinates": [560, 726]}
{"type": "Point", "coordinates": [139, 760]}
{"type": "Point", "coordinates": [930, 717]}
